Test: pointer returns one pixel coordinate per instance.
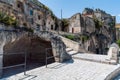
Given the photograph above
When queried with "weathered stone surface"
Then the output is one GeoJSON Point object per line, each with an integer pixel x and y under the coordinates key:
{"type": "Point", "coordinates": [89, 25]}
{"type": "Point", "coordinates": [113, 52]}
{"type": "Point", "coordinates": [19, 41]}
{"type": "Point", "coordinates": [57, 45]}
{"type": "Point", "coordinates": [75, 24]}
{"type": "Point", "coordinates": [6, 37]}
{"type": "Point", "coordinates": [100, 34]}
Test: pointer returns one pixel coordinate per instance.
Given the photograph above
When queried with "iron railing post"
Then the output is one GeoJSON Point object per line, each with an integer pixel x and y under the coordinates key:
{"type": "Point", "coordinates": [25, 64]}
{"type": "Point", "coordinates": [46, 58]}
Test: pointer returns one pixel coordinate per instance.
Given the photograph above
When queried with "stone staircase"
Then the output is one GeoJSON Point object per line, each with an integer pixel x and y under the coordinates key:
{"type": "Point", "coordinates": [90, 57]}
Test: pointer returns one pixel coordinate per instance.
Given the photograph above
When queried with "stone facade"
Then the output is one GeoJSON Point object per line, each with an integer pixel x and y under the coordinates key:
{"type": "Point", "coordinates": [29, 13]}
{"type": "Point", "coordinates": [75, 24]}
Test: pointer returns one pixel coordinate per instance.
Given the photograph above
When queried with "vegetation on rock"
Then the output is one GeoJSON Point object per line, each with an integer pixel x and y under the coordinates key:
{"type": "Point", "coordinates": [98, 23]}
{"type": "Point", "coordinates": [84, 38]}
{"type": "Point", "coordinates": [71, 37]}
{"type": "Point", "coordinates": [118, 42]}
{"type": "Point", "coordinates": [7, 20]}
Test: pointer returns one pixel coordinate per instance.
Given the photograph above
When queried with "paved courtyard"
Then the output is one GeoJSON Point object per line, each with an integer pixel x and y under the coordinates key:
{"type": "Point", "coordinates": [70, 70]}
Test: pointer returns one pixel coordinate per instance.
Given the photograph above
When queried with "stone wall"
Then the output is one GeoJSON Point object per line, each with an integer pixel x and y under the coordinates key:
{"type": "Point", "coordinates": [73, 45]}
{"type": "Point", "coordinates": [6, 37]}
{"type": "Point", "coordinates": [75, 24]}
{"type": "Point", "coordinates": [58, 45]}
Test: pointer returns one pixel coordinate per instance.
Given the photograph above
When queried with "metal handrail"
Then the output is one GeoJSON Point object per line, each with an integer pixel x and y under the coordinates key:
{"type": "Point", "coordinates": [46, 61]}
{"type": "Point", "coordinates": [23, 64]}
{"type": "Point", "coordinates": [12, 53]}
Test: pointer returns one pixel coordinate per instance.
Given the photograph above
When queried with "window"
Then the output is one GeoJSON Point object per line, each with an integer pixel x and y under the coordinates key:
{"type": "Point", "coordinates": [37, 27]}
{"type": "Point", "coordinates": [51, 27]}
{"type": "Point", "coordinates": [39, 17]}
{"type": "Point", "coordinates": [18, 5]}
{"type": "Point", "coordinates": [31, 12]}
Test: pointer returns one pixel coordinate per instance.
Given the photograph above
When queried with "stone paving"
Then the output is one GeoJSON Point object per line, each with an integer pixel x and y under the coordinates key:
{"type": "Point", "coordinates": [90, 57]}
{"type": "Point", "coordinates": [70, 70]}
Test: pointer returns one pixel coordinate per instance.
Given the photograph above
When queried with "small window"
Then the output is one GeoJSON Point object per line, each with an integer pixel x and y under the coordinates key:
{"type": "Point", "coordinates": [51, 27]}
{"type": "Point", "coordinates": [31, 12]}
{"type": "Point", "coordinates": [18, 5]}
{"type": "Point", "coordinates": [39, 17]}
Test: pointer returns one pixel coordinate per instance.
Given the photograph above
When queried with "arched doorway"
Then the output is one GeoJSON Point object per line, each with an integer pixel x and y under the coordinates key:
{"type": "Point", "coordinates": [34, 47]}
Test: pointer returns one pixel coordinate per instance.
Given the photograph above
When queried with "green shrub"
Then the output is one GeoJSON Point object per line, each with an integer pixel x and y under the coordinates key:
{"type": "Point", "coordinates": [7, 20]}
{"type": "Point", "coordinates": [98, 23]}
{"type": "Point", "coordinates": [84, 38]}
{"type": "Point", "coordinates": [118, 42]}
{"type": "Point", "coordinates": [70, 37]}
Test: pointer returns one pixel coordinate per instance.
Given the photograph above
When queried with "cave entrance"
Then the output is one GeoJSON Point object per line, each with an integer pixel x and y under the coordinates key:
{"type": "Point", "coordinates": [36, 53]}
{"type": "Point", "coordinates": [34, 47]}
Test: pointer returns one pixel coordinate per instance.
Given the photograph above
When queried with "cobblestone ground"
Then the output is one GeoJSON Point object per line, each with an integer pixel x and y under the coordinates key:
{"type": "Point", "coordinates": [70, 70]}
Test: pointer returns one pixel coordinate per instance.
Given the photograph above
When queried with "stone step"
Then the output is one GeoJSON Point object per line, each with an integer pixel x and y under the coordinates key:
{"type": "Point", "coordinates": [69, 49]}
{"type": "Point", "coordinates": [72, 52]}
{"type": "Point", "coordinates": [94, 58]}
{"type": "Point", "coordinates": [90, 57]}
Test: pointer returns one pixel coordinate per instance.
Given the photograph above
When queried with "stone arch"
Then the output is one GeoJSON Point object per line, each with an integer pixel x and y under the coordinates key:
{"type": "Point", "coordinates": [8, 38]}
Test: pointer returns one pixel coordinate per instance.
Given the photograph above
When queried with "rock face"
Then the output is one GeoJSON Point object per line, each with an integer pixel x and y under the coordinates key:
{"type": "Point", "coordinates": [29, 13]}
{"type": "Point", "coordinates": [98, 25]}
{"type": "Point", "coordinates": [7, 37]}
{"type": "Point", "coordinates": [16, 42]}
{"type": "Point", "coordinates": [57, 45]}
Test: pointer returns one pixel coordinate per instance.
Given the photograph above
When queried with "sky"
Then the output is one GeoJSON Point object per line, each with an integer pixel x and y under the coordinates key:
{"type": "Point", "coordinates": [71, 7]}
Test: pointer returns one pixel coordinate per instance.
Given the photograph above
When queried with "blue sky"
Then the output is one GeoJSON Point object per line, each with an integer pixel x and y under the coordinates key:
{"type": "Point", "coordinates": [70, 7]}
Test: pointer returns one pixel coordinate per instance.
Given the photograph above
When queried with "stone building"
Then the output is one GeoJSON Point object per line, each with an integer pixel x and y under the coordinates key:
{"type": "Point", "coordinates": [75, 24]}
{"type": "Point", "coordinates": [100, 34]}
{"type": "Point", "coordinates": [50, 23]}
{"type": "Point", "coordinates": [29, 13]}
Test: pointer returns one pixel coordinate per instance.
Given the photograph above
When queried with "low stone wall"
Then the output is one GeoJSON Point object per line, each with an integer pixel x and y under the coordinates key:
{"type": "Point", "coordinates": [72, 44]}
{"type": "Point", "coordinates": [113, 74]}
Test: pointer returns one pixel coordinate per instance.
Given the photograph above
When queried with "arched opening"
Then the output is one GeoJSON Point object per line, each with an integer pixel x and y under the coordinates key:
{"type": "Point", "coordinates": [34, 47]}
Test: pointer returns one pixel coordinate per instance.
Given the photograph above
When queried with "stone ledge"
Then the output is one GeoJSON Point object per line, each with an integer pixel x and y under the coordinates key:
{"type": "Point", "coordinates": [113, 74]}
{"type": "Point", "coordinates": [94, 58]}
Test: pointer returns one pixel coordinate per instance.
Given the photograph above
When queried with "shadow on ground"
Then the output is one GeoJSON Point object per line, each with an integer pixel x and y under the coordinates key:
{"type": "Point", "coordinates": [61, 64]}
